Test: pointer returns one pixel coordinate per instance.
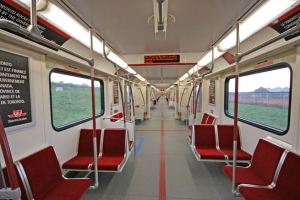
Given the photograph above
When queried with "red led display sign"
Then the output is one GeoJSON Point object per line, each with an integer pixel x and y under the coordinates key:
{"type": "Point", "coordinates": [162, 59]}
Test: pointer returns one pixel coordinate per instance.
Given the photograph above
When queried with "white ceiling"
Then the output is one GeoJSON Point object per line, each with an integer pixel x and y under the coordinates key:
{"type": "Point", "coordinates": [123, 23]}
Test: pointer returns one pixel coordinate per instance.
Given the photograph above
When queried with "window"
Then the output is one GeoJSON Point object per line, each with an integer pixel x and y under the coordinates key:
{"type": "Point", "coordinates": [71, 99]}
{"type": "Point", "coordinates": [264, 98]}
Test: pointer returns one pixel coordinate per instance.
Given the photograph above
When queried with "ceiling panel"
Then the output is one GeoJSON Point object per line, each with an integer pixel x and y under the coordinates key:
{"type": "Point", "coordinates": [124, 23]}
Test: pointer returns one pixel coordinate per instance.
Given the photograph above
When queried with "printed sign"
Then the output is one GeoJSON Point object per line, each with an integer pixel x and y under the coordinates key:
{"type": "Point", "coordinates": [162, 59]}
{"type": "Point", "coordinates": [115, 92]}
{"type": "Point", "coordinates": [212, 92]}
{"type": "Point", "coordinates": [202, 70]}
{"type": "Point", "coordinates": [12, 11]}
{"type": "Point", "coordinates": [15, 103]}
{"type": "Point", "coordinates": [286, 22]}
{"type": "Point", "coordinates": [229, 57]}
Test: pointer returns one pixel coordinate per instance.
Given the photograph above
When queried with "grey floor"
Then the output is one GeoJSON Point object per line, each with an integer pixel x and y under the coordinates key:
{"type": "Point", "coordinates": [186, 178]}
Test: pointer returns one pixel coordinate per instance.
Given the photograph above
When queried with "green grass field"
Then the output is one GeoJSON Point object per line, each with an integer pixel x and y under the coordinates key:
{"type": "Point", "coordinates": [270, 116]}
{"type": "Point", "coordinates": [72, 104]}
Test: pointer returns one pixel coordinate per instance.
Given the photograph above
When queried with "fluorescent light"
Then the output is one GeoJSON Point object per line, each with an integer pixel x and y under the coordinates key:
{"type": "Point", "coordinates": [263, 16]}
{"type": "Point", "coordinates": [69, 25]}
{"type": "Point", "coordinates": [208, 57]}
{"type": "Point", "coordinates": [130, 70]}
{"type": "Point", "coordinates": [184, 76]}
{"type": "Point", "coordinates": [116, 59]}
{"type": "Point", "coordinates": [193, 69]}
{"type": "Point", "coordinates": [140, 77]}
{"type": "Point", "coordinates": [40, 4]}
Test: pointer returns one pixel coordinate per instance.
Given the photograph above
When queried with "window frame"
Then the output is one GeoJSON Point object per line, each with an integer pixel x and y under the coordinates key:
{"type": "Point", "coordinates": [256, 124]}
{"type": "Point", "coordinates": [72, 124]}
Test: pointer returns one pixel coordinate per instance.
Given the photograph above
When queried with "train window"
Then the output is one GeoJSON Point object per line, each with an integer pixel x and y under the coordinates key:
{"type": "Point", "coordinates": [71, 99]}
{"type": "Point", "coordinates": [264, 98]}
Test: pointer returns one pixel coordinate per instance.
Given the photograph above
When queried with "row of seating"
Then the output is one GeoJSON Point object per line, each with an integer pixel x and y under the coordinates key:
{"type": "Point", "coordinates": [272, 175]}
{"type": "Point", "coordinates": [40, 177]}
{"type": "Point", "coordinates": [215, 143]}
{"type": "Point", "coordinates": [206, 119]}
{"type": "Point", "coordinates": [112, 144]}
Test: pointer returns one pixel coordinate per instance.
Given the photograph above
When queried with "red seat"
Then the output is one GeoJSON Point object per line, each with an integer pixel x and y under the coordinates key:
{"type": "Point", "coordinates": [210, 119]}
{"type": "Point", "coordinates": [287, 186]}
{"type": "Point", "coordinates": [113, 154]}
{"type": "Point", "coordinates": [85, 151]}
{"type": "Point", "coordinates": [45, 178]}
{"type": "Point", "coordinates": [204, 118]}
{"type": "Point", "coordinates": [205, 142]}
{"type": "Point", "coordinates": [116, 117]}
{"type": "Point", "coordinates": [225, 135]}
{"type": "Point", "coordinates": [263, 165]}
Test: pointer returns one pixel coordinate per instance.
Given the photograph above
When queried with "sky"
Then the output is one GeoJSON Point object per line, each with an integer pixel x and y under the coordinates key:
{"type": "Point", "coordinates": [270, 79]}
{"type": "Point", "coordinates": [56, 77]}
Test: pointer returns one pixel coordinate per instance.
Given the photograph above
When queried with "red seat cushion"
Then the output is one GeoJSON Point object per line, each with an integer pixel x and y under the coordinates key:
{"type": "Point", "coordinates": [51, 183]}
{"type": "Point", "coordinates": [113, 149]}
{"type": "Point", "coordinates": [130, 143]}
{"type": "Point", "coordinates": [78, 162]}
{"type": "Point", "coordinates": [85, 150]}
{"type": "Point", "coordinates": [263, 165]}
{"type": "Point", "coordinates": [190, 127]}
{"type": "Point", "coordinates": [109, 163]}
{"type": "Point", "coordinates": [225, 135]}
{"type": "Point", "coordinates": [213, 154]}
{"type": "Point", "coordinates": [265, 194]}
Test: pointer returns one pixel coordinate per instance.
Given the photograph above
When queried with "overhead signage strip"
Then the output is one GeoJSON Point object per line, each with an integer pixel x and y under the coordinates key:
{"type": "Point", "coordinates": [10, 10]}
{"type": "Point", "coordinates": [286, 22]}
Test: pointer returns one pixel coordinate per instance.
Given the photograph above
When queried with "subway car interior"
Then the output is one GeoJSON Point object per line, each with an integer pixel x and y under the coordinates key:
{"type": "Point", "coordinates": [149, 99]}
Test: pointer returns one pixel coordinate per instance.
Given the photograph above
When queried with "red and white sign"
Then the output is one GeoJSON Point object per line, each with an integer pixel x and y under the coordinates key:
{"type": "Point", "coordinates": [17, 114]}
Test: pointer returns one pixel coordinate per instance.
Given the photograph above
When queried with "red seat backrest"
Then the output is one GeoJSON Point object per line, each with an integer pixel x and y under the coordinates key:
{"type": "Point", "coordinates": [45, 162]}
{"type": "Point", "coordinates": [114, 142]}
{"type": "Point", "coordinates": [205, 136]}
{"type": "Point", "coordinates": [225, 135]}
{"type": "Point", "coordinates": [116, 116]}
{"type": "Point", "coordinates": [204, 118]}
{"type": "Point", "coordinates": [85, 145]}
{"type": "Point", "coordinates": [265, 159]}
{"type": "Point", "coordinates": [20, 182]}
{"type": "Point", "coordinates": [210, 119]}
{"type": "Point", "coordinates": [289, 176]}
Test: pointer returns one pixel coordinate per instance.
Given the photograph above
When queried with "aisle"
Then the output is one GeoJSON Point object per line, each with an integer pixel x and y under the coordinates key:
{"type": "Point", "coordinates": [164, 167]}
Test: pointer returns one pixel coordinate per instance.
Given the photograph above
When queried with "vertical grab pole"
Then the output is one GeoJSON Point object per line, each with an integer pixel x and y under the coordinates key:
{"type": "Point", "coordinates": [33, 21]}
{"type": "Point", "coordinates": [196, 104]}
{"type": "Point", "coordinates": [121, 91]}
{"type": "Point", "coordinates": [236, 99]}
{"type": "Point", "coordinates": [132, 100]}
{"type": "Point", "coordinates": [93, 112]}
{"type": "Point", "coordinates": [8, 158]}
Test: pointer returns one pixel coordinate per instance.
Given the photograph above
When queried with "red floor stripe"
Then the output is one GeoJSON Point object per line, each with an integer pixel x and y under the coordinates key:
{"type": "Point", "coordinates": [162, 173]}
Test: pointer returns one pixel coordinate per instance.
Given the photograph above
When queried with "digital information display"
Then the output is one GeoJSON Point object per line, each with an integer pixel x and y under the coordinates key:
{"type": "Point", "coordinates": [162, 59]}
